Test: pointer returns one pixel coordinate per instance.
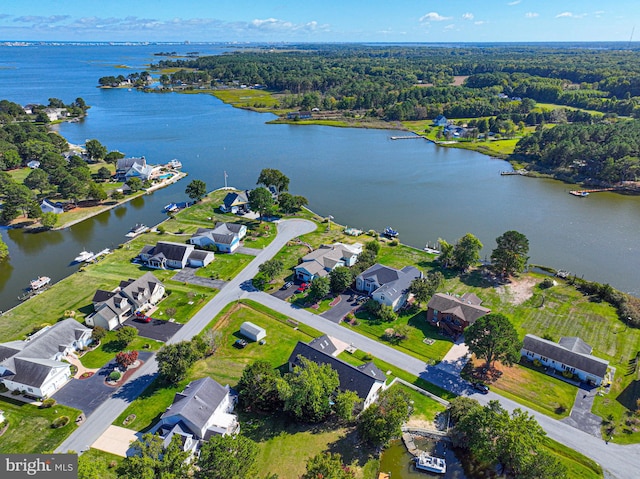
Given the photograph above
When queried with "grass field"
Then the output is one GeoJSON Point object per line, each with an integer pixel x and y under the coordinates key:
{"type": "Point", "coordinates": [30, 430]}
{"type": "Point", "coordinates": [102, 461]}
{"type": "Point", "coordinates": [578, 465]}
{"type": "Point", "coordinates": [225, 266]}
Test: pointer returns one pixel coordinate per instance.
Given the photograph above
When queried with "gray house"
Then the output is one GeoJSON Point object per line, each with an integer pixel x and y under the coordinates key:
{"type": "Point", "coordinates": [35, 365]}
{"type": "Point", "coordinates": [225, 236]}
{"type": "Point", "coordinates": [325, 259]}
{"type": "Point", "coordinates": [202, 410]}
{"type": "Point", "coordinates": [569, 354]}
{"type": "Point", "coordinates": [388, 285]}
{"type": "Point", "coordinates": [169, 255]}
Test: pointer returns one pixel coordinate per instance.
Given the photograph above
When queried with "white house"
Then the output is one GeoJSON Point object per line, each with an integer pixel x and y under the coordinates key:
{"type": "Point", "coordinates": [366, 380]}
{"type": "Point", "coordinates": [2, 418]}
{"type": "Point", "coordinates": [325, 259]}
{"type": "Point", "coordinates": [35, 365]}
{"type": "Point", "coordinates": [252, 331]}
{"type": "Point", "coordinates": [388, 285]}
{"type": "Point", "coordinates": [47, 207]}
{"type": "Point", "coordinates": [202, 410]}
{"type": "Point", "coordinates": [235, 202]}
{"type": "Point", "coordinates": [569, 354]}
{"type": "Point", "coordinates": [133, 167]}
{"type": "Point", "coordinates": [225, 237]}
{"type": "Point", "coordinates": [112, 308]}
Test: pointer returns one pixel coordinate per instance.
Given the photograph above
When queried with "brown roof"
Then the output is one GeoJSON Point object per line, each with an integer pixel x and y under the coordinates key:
{"type": "Point", "coordinates": [455, 306]}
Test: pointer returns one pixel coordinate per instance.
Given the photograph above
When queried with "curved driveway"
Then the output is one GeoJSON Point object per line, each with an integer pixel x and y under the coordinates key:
{"type": "Point", "coordinates": [620, 462]}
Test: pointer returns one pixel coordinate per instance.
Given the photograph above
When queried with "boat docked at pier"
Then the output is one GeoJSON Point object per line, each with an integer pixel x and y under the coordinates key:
{"type": "Point", "coordinates": [427, 462]}
{"type": "Point", "coordinates": [83, 256]}
{"type": "Point", "coordinates": [390, 232]}
{"type": "Point", "coordinates": [138, 229]}
{"type": "Point", "coordinates": [39, 283]}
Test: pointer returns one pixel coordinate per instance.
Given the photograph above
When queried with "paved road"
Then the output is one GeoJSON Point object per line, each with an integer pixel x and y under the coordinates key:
{"type": "Point", "coordinates": [621, 462]}
{"type": "Point", "coordinates": [104, 415]}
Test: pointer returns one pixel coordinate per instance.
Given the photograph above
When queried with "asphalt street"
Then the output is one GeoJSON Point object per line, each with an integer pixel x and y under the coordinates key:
{"type": "Point", "coordinates": [621, 462]}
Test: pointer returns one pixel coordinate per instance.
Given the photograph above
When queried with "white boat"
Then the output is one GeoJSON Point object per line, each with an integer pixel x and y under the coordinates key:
{"type": "Point", "coordinates": [426, 462]}
{"type": "Point", "coordinates": [83, 256]}
{"type": "Point", "coordinates": [390, 232]}
{"type": "Point", "coordinates": [39, 282]}
{"type": "Point", "coordinates": [175, 164]}
{"type": "Point", "coordinates": [137, 230]}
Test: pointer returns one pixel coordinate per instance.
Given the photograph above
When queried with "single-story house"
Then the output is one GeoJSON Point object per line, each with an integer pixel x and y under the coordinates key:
{"type": "Point", "coordinates": [48, 207]}
{"type": "Point", "coordinates": [366, 380]}
{"type": "Point", "coordinates": [225, 237]}
{"type": "Point", "coordinates": [300, 115]}
{"type": "Point", "coordinates": [166, 254]}
{"type": "Point", "coordinates": [112, 308]}
{"type": "Point", "coordinates": [202, 410]}
{"type": "Point", "coordinates": [133, 167]}
{"type": "Point", "coordinates": [35, 365]}
{"type": "Point", "coordinates": [440, 120]}
{"type": "Point", "coordinates": [325, 259]}
{"type": "Point", "coordinates": [453, 314]}
{"type": "Point", "coordinates": [388, 285]}
{"type": "Point", "coordinates": [33, 164]}
{"type": "Point", "coordinates": [252, 331]}
{"type": "Point", "coordinates": [569, 354]}
{"type": "Point", "coordinates": [235, 202]}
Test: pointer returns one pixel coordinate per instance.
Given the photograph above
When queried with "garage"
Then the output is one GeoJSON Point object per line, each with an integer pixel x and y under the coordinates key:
{"type": "Point", "coordinates": [252, 332]}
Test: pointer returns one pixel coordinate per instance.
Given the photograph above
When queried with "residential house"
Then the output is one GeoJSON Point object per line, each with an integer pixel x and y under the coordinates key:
{"type": "Point", "coordinates": [300, 115]}
{"type": "Point", "coordinates": [570, 354]}
{"type": "Point", "coordinates": [112, 308]}
{"type": "Point", "coordinates": [325, 259]}
{"type": "Point", "coordinates": [33, 164]}
{"type": "Point", "coordinates": [235, 202]}
{"type": "Point", "coordinates": [225, 237]}
{"type": "Point", "coordinates": [48, 207]}
{"type": "Point", "coordinates": [388, 285]}
{"type": "Point", "coordinates": [35, 365]}
{"type": "Point", "coordinates": [440, 120]}
{"type": "Point", "coordinates": [456, 131]}
{"type": "Point", "coordinates": [452, 314]}
{"type": "Point", "coordinates": [55, 114]}
{"type": "Point", "coordinates": [133, 167]}
{"type": "Point", "coordinates": [169, 255]}
{"type": "Point", "coordinates": [366, 380]}
{"type": "Point", "coordinates": [202, 410]}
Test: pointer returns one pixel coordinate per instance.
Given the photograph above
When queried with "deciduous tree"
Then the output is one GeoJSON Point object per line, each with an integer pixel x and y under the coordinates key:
{"type": "Point", "coordinates": [382, 420]}
{"type": "Point", "coordinates": [196, 190]}
{"type": "Point", "coordinates": [260, 200]}
{"type": "Point", "coordinates": [174, 360]}
{"type": "Point", "coordinates": [423, 288]}
{"type": "Point", "coordinates": [227, 457]}
{"type": "Point", "coordinates": [95, 149]}
{"type": "Point", "coordinates": [327, 465]}
{"type": "Point", "coordinates": [152, 460]}
{"type": "Point", "coordinates": [340, 279]}
{"type": "Point", "coordinates": [493, 338]}
{"type": "Point", "coordinates": [48, 220]}
{"type": "Point", "coordinates": [319, 288]}
{"type": "Point", "coordinates": [271, 268]}
{"type": "Point", "coordinates": [258, 387]}
{"type": "Point", "coordinates": [466, 252]}
{"type": "Point", "coordinates": [271, 177]}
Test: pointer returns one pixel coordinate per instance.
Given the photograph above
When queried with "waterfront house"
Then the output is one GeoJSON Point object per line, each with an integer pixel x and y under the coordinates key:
{"type": "Point", "coordinates": [35, 365]}
{"type": "Point", "coordinates": [325, 259]}
{"type": "Point", "coordinates": [365, 380]}
{"type": "Point", "coordinates": [202, 410]}
{"type": "Point", "coordinates": [440, 120]}
{"type": "Point", "coordinates": [236, 202]}
{"type": "Point", "coordinates": [48, 207]}
{"type": "Point", "coordinates": [570, 354]}
{"type": "Point", "coordinates": [452, 314]}
{"type": "Point", "coordinates": [112, 308]}
{"type": "Point", "coordinates": [55, 114]}
{"type": "Point", "coordinates": [225, 237]}
{"type": "Point", "coordinates": [299, 115]}
{"type": "Point", "coordinates": [169, 255]}
{"type": "Point", "coordinates": [133, 167]}
{"type": "Point", "coordinates": [388, 285]}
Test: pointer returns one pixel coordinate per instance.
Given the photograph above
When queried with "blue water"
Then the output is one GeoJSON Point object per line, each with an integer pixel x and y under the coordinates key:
{"type": "Point", "coordinates": [358, 176]}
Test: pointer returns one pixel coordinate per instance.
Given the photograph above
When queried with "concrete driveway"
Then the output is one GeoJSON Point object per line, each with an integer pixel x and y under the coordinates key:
{"type": "Point", "coordinates": [157, 329]}
{"type": "Point", "coordinates": [89, 394]}
{"type": "Point", "coordinates": [116, 440]}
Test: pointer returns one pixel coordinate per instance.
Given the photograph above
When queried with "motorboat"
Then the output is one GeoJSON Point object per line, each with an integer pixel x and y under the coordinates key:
{"type": "Point", "coordinates": [426, 462]}
{"type": "Point", "coordinates": [390, 232]}
{"type": "Point", "coordinates": [39, 282]}
{"type": "Point", "coordinates": [137, 230]}
{"type": "Point", "coordinates": [83, 256]}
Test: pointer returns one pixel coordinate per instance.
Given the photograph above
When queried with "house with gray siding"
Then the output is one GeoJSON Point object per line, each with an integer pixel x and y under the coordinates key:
{"type": "Point", "coordinates": [225, 237]}
{"type": "Point", "coordinates": [325, 259]}
{"type": "Point", "coordinates": [388, 285]}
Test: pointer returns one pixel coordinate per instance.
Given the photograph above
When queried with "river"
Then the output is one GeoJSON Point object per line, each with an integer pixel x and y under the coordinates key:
{"type": "Point", "coordinates": [360, 177]}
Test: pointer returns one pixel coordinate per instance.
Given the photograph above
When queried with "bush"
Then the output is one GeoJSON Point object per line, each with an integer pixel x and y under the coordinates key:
{"type": "Point", "coordinates": [547, 283]}
{"type": "Point", "coordinates": [98, 333]}
{"type": "Point", "coordinates": [394, 242]}
{"type": "Point", "coordinates": [567, 374]}
{"type": "Point", "coordinates": [115, 375]}
{"type": "Point", "coordinates": [537, 363]}
{"type": "Point", "coordinates": [59, 422]}
{"type": "Point", "coordinates": [47, 403]}
{"type": "Point", "coordinates": [3, 388]}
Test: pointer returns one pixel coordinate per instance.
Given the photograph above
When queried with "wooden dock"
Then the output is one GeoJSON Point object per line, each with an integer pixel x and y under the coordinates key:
{"type": "Point", "coordinates": [583, 193]}
{"type": "Point", "coordinates": [416, 137]}
{"type": "Point", "coordinates": [514, 173]}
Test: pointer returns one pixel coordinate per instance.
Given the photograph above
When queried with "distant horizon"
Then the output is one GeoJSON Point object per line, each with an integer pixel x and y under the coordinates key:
{"type": "Point", "coordinates": [320, 21]}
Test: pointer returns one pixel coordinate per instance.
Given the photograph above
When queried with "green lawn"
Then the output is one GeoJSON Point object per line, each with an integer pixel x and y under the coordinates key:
{"type": "Point", "coordinates": [30, 430]}
{"type": "Point", "coordinates": [225, 266]}
{"type": "Point", "coordinates": [103, 461]}
{"type": "Point", "coordinates": [227, 364]}
{"type": "Point", "coordinates": [578, 465]}
{"type": "Point", "coordinates": [109, 347]}
{"type": "Point", "coordinates": [185, 303]}
{"type": "Point", "coordinates": [424, 408]}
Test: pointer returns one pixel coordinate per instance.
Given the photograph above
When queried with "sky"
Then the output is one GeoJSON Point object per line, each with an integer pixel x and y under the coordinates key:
{"type": "Point", "coordinates": [319, 20]}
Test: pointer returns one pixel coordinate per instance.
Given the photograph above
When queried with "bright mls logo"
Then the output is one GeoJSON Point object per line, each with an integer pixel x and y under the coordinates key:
{"type": "Point", "coordinates": [50, 466]}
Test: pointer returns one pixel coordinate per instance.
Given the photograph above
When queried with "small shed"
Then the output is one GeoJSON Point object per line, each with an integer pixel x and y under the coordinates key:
{"type": "Point", "coordinates": [252, 332]}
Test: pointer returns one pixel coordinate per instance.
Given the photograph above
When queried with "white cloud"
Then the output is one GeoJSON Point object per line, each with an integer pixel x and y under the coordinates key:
{"type": "Point", "coordinates": [531, 14]}
{"type": "Point", "coordinates": [467, 16]}
{"type": "Point", "coordinates": [41, 20]}
{"type": "Point", "coordinates": [515, 2]}
{"type": "Point", "coordinates": [480, 22]}
{"type": "Point", "coordinates": [570, 15]}
{"type": "Point", "coordinates": [433, 17]}
{"type": "Point", "coordinates": [450, 26]}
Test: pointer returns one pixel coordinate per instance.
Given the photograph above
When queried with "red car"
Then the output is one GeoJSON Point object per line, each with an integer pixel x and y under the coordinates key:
{"type": "Point", "coordinates": [302, 288]}
{"type": "Point", "coordinates": [140, 316]}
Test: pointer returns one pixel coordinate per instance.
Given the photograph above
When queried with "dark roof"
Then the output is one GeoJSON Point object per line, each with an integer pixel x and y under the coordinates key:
{"type": "Point", "coordinates": [199, 255]}
{"type": "Point", "coordinates": [10, 349]}
{"type": "Point", "coordinates": [465, 310]}
{"type": "Point", "coordinates": [381, 274]}
{"type": "Point", "coordinates": [237, 198]}
{"type": "Point", "coordinates": [101, 296]}
{"type": "Point", "coordinates": [351, 378]}
{"type": "Point", "coordinates": [34, 371]}
{"type": "Point", "coordinates": [169, 250]}
{"type": "Point", "coordinates": [557, 352]}
{"type": "Point", "coordinates": [324, 344]}
{"type": "Point", "coordinates": [197, 402]}
{"type": "Point", "coordinates": [126, 163]}
{"type": "Point", "coordinates": [575, 344]}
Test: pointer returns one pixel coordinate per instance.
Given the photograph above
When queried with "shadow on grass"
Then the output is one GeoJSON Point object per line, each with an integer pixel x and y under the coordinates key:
{"type": "Point", "coordinates": [114, 346]}
{"type": "Point", "coordinates": [630, 395]}
{"type": "Point", "coordinates": [351, 449]}
{"type": "Point", "coordinates": [262, 427]}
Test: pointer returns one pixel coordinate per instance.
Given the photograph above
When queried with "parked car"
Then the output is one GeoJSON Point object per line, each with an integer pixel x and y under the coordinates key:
{"type": "Point", "coordinates": [287, 285]}
{"type": "Point", "coordinates": [140, 316]}
{"type": "Point", "coordinates": [302, 288]}
{"type": "Point", "coordinates": [481, 387]}
{"type": "Point", "coordinates": [240, 343]}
